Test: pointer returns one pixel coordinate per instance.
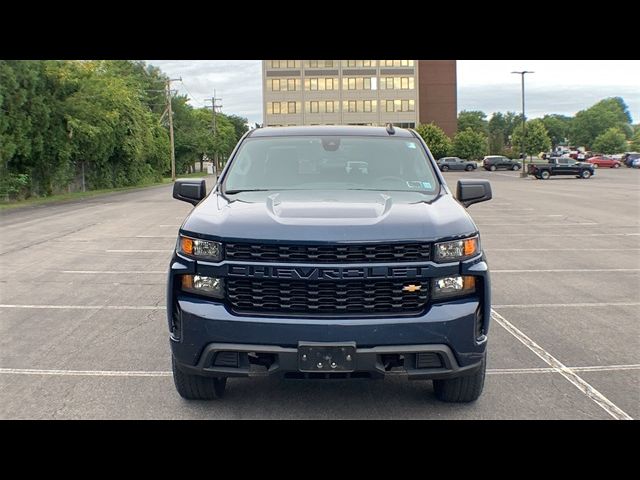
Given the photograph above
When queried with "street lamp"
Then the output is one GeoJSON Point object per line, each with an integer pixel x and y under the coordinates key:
{"type": "Point", "coordinates": [523, 174]}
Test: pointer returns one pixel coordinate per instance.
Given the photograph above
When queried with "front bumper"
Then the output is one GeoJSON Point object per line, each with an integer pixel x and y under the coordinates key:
{"type": "Point", "coordinates": [454, 330]}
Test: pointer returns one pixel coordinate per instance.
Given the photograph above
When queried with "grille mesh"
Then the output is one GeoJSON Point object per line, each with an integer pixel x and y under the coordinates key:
{"type": "Point", "coordinates": [341, 297]}
{"type": "Point", "coordinates": [405, 252]}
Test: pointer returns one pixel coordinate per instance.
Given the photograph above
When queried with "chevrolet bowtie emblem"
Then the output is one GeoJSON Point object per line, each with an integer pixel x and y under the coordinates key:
{"type": "Point", "coordinates": [411, 288]}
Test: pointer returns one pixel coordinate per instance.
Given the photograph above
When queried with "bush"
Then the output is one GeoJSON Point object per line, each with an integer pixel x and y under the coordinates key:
{"type": "Point", "coordinates": [14, 186]}
{"type": "Point", "coordinates": [435, 138]}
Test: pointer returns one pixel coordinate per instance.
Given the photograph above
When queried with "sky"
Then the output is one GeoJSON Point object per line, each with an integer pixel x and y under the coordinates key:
{"type": "Point", "coordinates": [556, 86]}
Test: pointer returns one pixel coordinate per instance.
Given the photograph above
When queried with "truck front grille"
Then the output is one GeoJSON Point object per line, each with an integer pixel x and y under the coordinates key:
{"type": "Point", "coordinates": [326, 297]}
{"type": "Point", "coordinates": [403, 252]}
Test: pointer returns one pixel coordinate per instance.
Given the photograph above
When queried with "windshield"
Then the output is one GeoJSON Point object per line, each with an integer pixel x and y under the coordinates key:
{"type": "Point", "coordinates": [331, 163]}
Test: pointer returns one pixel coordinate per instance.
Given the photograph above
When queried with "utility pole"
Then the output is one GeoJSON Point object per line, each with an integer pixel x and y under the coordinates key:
{"type": "Point", "coordinates": [523, 174]}
{"type": "Point", "coordinates": [214, 99]}
{"type": "Point", "coordinates": [170, 113]}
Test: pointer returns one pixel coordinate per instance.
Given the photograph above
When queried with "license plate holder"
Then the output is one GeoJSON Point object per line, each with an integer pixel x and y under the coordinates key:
{"type": "Point", "coordinates": [326, 357]}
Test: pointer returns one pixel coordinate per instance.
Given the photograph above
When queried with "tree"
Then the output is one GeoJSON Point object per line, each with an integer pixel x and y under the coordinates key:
{"type": "Point", "coordinates": [635, 141]}
{"type": "Point", "coordinates": [474, 119]}
{"type": "Point", "coordinates": [470, 145]}
{"type": "Point", "coordinates": [537, 138]}
{"type": "Point", "coordinates": [558, 127]}
{"type": "Point", "coordinates": [611, 141]}
{"type": "Point", "coordinates": [590, 123]}
{"type": "Point", "coordinates": [435, 138]}
{"type": "Point", "coordinates": [239, 124]}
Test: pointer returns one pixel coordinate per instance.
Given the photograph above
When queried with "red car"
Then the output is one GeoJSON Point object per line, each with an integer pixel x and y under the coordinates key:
{"type": "Point", "coordinates": [602, 161]}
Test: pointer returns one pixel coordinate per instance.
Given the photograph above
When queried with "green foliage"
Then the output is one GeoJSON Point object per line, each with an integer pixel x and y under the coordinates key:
{"type": "Point", "coordinates": [470, 145]}
{"type": "Point", "coordinates": [61, 119]}
{"type": "Point", "coordinates": [435, 138]}
{"type": "Point", "coordinates": [536, 139]}
{"type": "Point", "coordinates": [500, 129]}
{"type": "Point", "coordinates": [610, 142]}
{"type": "Point", "coordinates": [635, 141]}
{"type": "Point", "coordinates": [558, 127]}
{"type": "Point", "coordinates": [590, 123]}
{"type": "Point", "coordinates": [474, 119]}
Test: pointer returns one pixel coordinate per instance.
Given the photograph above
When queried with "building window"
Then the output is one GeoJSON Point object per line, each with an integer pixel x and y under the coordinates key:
{"type": "Point", "coordinates": [313, 84]}
{"type": "Point", "coordinates": [389, 106]}
{"type": "Point", "coordinates": [396, 83]}
{"type": "Point", "coordinates": [275, 63]}
{"type": "Point", "coordinates": [404, 83]}
{"type": "Point", "coordinates": [367, 105]}
{"type": "Point", "coordinates": [275, 85]}
{"type": "Point", "coordinates": [329, 83]}
{"type": "Point", "coordinates": [328, 106]}
{"type": "Point", "coordinates": [313, 63]}
{"type": "Point", "coordinates": [291, 107]}
{"type": "Point", "coordinates": [314, 107]}
{"type": "Point", "coordinates": [351, 63]}
{"type": "Point", "coordinates": [352, 106]}
{"type": "Point", "coordinates": [291, 64]}
{"type": "Point", "coordinates": [328, 63]}
{"type": "Point", "coordinates": [291, 84]}
{"type": "Point", "coordinates": [276, 108]}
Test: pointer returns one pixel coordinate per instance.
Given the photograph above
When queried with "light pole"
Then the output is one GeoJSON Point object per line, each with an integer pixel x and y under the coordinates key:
{"type": "Point", "coordinates": [523, 174]}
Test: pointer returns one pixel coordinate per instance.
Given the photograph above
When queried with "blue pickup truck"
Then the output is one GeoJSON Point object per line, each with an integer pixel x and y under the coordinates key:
{"type": "Point", "coordinates": [329, 252]}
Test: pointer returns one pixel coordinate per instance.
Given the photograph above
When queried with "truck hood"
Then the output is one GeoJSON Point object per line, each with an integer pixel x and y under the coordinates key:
{"type": "Point", "coordinates": [331, 216]}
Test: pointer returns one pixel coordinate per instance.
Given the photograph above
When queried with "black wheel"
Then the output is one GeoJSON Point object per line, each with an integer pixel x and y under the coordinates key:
{"type": "Point", "coordinates": [616, 165]}
{"type": "Point", "coordinates": [492, 168]}
{"type": "Point", "coordinates": [515, 167]}
{"type": "Point", "coordinates": [468, 168]}
{"type": "Point", "coordinates": [461, 389]}
{"type": "Point", "coordinates": [585, 174]}
{"type": "Point", "coordinates": [196, 387]}
{"type": "Point", "coordinates": [544, 175]}
{"type": "Point", "coordinates": [444, 168]}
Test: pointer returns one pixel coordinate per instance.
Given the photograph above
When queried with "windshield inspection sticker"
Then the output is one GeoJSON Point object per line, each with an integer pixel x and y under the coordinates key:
{"type": "Point", "coordinates": [418, 184]}
{"type": "Point", "coordinates": [410, 145]}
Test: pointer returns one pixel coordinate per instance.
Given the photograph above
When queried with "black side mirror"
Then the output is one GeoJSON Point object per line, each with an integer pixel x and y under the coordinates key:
{"type": "Point", "coordinates": [190, 190]}
{"type": "Point", "coordinates": [469, 192]}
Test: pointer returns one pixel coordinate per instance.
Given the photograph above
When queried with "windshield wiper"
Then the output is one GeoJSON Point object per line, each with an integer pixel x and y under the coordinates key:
{"type": "Point", "coordinates": [232, 192]}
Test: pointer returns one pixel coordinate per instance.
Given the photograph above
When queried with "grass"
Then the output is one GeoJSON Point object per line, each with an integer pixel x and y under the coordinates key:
{"type": "Point", "coordinates": [66, 197]}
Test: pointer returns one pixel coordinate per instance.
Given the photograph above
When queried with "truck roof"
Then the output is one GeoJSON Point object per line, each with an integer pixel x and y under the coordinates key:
{"type": "Point", "coordinates": [329, 130]}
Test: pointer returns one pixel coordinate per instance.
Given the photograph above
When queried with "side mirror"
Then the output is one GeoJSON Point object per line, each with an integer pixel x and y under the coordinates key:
{"type": "Point", "coordinates": [190, 190]}
{"type": "Point", "coordinates": [469, 192]}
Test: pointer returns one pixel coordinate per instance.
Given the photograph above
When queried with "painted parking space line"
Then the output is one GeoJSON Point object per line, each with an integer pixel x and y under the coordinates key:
{"type": "Point", "coordinates": [511, 234]}
{"type": "Point", "coordinates": [569, 270]}
{"type": "Point", "coordinates": [115, 272]}
{"type": "Point", "coordinates": [168, 373]}
{"type": "Point", "coordinates": [580, 250]}
{"type": "Point", "coordinates": [559, 305]}
{"type": "Point", "coordinates": [88, 307]}
{"type": "Point", "coordinates": [142, 251]}
{"type": "Point", "coordinates": [570, 374]}
{"type": "Point", "coordinates": [537, 224]}
{"type": "Point", "coordinates": [153, 236]}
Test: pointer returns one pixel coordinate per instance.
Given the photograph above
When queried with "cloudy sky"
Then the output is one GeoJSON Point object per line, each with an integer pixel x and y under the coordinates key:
{"type": "Point", "coordinates": [557, 86]}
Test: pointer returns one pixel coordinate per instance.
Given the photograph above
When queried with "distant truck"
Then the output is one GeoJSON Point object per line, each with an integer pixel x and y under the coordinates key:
{"type": "Point", "coordinates": [560, 166]}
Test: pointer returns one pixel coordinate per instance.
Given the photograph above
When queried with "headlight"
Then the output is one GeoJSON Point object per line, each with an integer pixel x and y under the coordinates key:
{"type": "Point", "coordinates": [455, 286]}
{"type": "Point", "coordinates": [209, 286]}
{"type": "Point", "coordinates": [201, 249]}
{"type": "Point", "coordinates": [457, 249]}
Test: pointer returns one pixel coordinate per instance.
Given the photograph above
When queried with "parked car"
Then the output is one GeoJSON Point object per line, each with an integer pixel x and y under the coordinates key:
{"type": "Point", "coordinates": [629, 157]}
{"type": "Point", "coordinates": [561, 166]}
{"type": "Point", "coordinates": [496, 162]}
{"type": "Point", "coordinates": [635, 163]}
{"type": "Point", "coordinates": [455, 163]}
{"type": "Point", "coordinates": [604, 161]}
{"type": "Point", "coordinates": [314, 273]}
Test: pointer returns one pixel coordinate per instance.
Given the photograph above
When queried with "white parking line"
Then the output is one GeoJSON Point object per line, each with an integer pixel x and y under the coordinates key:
{"type": "Point", "coordinates": [143, 251]}
{"type": "Point", "coordinates": [128, 272]}
{"type": "Point", "coordinates": [560, 234]}
{"type": "Point", "coordinates": [537, 224]}
{"type": "Point", "coordinates": [155, 236]}
{"type": "Point", "coordinates": [557, 305]}
{"type": "Point", "coordinates": [602, 401]}
{"type": "Point", "coordinates": [577, 250]}
{"type": "Point", "coordinates": [563, 270]}
{"type": "Point", "coordinates": [167, 373]}
{"type": "Point", "coordinates": [89, 307]}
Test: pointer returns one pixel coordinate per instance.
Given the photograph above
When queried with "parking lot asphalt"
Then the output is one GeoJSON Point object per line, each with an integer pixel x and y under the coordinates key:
{"type": "Point", "coordinates": [83, 333]}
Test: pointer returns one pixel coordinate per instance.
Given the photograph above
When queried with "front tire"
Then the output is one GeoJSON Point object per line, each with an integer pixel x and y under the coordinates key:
{"type": "Point", "coordinates": [461, 389]}
{"type": "Point", "coordinates": [544, 175]}
{"type": "Point", "coordinates": [515, 167]}
{"type": "Point", "coordinates": [469, 168]}
{"type": "Point", "coordinates": [616, 165]}
{"type": "Point", "coordinates": [444, 168]}
{"type": "Point", "coordinates": [196, 387]}
{"type": "Point", "coordinates": [493, 168]}
{"type": "Point", "coordinates": [585, 174]}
